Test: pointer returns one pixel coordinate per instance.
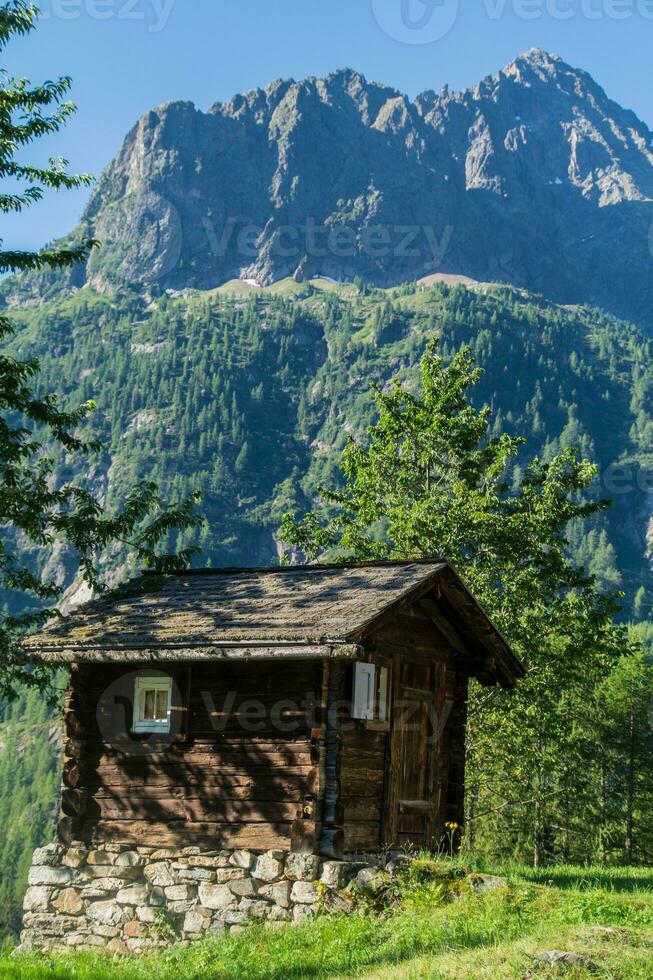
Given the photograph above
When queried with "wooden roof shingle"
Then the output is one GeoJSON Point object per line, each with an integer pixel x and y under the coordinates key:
{"type": "Point", "coordinates": [295, 611]}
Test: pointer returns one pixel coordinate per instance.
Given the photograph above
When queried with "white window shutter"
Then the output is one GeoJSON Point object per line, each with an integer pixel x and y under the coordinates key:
{"type": "Point", "coordinates": [383, 694]}
{"type": "Point", "coordinates": [364, 691]}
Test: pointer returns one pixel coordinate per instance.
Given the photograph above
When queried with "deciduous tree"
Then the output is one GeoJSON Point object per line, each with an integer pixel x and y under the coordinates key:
{"type": "Point", "coordinates": [430, 480]}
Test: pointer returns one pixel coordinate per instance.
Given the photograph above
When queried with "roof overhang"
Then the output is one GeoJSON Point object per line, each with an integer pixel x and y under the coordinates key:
{"type": "Point", "coordinates": [501, 664]}
{"type": "Point", "coordinates": [198, 654]}
{"type": "Point", "coordinates": [314, 612]}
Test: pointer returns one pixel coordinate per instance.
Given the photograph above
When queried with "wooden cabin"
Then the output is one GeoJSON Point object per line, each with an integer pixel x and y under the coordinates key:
{"type": "Point", "coordinates": [316, 709]}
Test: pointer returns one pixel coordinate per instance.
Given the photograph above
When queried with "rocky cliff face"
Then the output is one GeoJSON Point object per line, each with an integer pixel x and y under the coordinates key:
{"type": "Point", "coordinates": [533, 177]}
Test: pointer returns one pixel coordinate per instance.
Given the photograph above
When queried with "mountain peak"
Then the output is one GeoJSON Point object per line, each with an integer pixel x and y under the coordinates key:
{"type": "Point", "coordinates": [496, 182]}
{"type": "Point", "coordinates": [540, 63]}
{"type": "Point", "coordinates": [538, 56]}
{"type": "Point", "coordinates": [347, 75]}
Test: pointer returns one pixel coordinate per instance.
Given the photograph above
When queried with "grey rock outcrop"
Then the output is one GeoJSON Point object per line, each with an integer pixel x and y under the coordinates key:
{"type": "Point", "coordinates": [533, 176]}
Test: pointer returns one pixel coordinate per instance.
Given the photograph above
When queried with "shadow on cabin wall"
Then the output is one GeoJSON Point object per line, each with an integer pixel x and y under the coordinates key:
{"type": "Point", "coordinates": [239, 766]}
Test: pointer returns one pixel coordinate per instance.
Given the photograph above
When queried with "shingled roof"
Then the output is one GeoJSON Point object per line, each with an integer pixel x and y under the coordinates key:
{"type": "Point", "coordinates": [296, 611]}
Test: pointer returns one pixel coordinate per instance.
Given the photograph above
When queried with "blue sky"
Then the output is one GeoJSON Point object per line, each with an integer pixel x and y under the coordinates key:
{"type": "Point", "coordinates": [126, 56]}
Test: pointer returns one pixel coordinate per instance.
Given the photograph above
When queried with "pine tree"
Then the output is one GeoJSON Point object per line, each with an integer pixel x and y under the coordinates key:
{"type": "Point", "coordinates": [33, 504]}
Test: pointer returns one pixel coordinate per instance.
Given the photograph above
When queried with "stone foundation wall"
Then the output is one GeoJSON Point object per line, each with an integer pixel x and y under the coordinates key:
{"type": "Point", "coordinates": [128, 898]}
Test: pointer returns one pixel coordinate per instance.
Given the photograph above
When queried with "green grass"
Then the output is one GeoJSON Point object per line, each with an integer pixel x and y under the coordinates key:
{"type": "Point", "coordinates": [613, 879]}
{"type": "Point", "coordinates": [604, 915]}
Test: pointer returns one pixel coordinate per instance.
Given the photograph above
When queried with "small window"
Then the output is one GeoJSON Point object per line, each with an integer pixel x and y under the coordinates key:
{"type": "Point", "coordinates": [364, 691]}
{"type": "Point", "coordinates": [152, 702]}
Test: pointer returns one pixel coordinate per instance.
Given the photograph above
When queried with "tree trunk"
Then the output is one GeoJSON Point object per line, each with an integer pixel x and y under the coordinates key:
{"type": "Point", "coordinates": [602, 811]}
{"type": "Point", "coordinates": [471, 798]}
{"type": "Point", "coordinates": [537, 834]}
{"type": "Point", "coordinates": [630, 789]}
{"type": "Point", "coordinates": [537, 814]}
{"type": "Point", "coordinates": [566, 817]}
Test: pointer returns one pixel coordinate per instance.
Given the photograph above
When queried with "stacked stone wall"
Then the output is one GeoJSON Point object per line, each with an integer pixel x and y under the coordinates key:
{"type": "Point", "coordinates": [127, 898]}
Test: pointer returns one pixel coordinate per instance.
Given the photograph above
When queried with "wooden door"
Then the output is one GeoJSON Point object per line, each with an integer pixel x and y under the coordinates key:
{"type": "Point", "coordinates": [414, 796]}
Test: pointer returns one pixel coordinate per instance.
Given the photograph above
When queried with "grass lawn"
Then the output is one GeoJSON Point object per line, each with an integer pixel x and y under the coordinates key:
{"type": "Point", "coordinates": [603, 916]}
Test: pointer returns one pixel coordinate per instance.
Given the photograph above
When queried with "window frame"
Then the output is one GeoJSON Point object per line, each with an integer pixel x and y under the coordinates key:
{"type": "Point", "coordinates": [150, 726]}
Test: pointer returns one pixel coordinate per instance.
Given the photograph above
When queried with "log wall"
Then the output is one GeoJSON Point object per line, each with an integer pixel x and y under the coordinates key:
{"type": "Point", "coordinates": [267, 755]}
{"type": "Point", "coordinates": [242, 768]}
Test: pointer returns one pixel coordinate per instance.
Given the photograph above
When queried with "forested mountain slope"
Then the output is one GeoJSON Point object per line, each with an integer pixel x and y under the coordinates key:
{"type": "Point", "coordinates": [248, 395]}
{"type": "Point", "coordinates": [249, 398]}
{"type": "Point", "coordinates": [30, 743]}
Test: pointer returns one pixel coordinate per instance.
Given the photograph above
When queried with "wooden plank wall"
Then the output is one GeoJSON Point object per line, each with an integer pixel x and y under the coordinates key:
{"type": "Point", "coordinates": [454, 751]}
{"type": "Point", "coordinates": [362, 786]}
{"type": "Point", "coordinates": [369, 782]}
{"type": "Point", "coordinates": [290, 779]}
{"type": "Point", "coordinates": [228, 787]}
{"type": "Point", "coordinates": [364, 754]}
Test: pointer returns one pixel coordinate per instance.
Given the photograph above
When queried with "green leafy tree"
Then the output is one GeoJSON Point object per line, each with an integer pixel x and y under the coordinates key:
{"type": "Point", "coordinates": [36, 508]}
{"type": "Point", "coordinates": [624, 718]}
{"type": "Point", "coordinates": [429, 480]}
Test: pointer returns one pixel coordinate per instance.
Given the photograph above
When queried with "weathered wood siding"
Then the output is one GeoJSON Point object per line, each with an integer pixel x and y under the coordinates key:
{"type": "Point", "coordinates": [374, 778]}
{"type": "Point", "coordinates": [454, 750]}
{"type": "Point", "coordinates": [363, 780]}
{"type": "Point", "coordinates": [364, 753]}
{"type": "Point", "coordinates": [244, 769]}
{"type": "Point", "coordinates": [267, 755]}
